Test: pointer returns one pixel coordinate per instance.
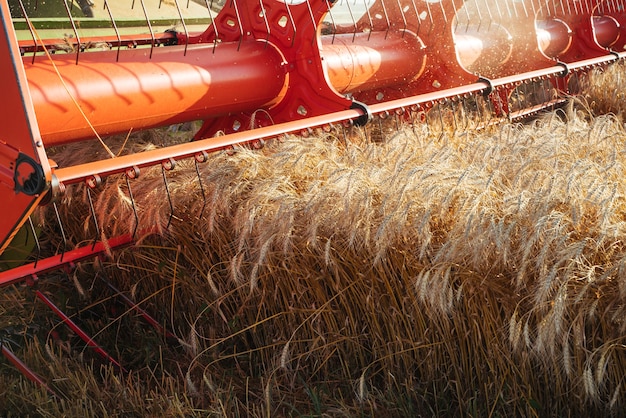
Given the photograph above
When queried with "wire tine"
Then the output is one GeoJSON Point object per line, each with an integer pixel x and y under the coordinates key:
{"type": "Point", "coordinates": [491, 19]}
{"type": "Point", "coordinates": [525, 8]}
{"type": "Point", "coordinates": [117, 32]}
{"type": "Point", "coordinates": [73, 23]}
{"type": "Point", "coordinates": [209, 7]}
{"type": "Point", "coordinates": [202, 191]}
{"type": "Point", "coordinates": [465, 114]}
{"type": "Point", "coordinates": [293, 23]}
{"type": "Point", "coordinates": [313, 22]}
{"type": "Point", "coordinates": [382, 3]}
{"type": "Point", "coordinates": [371, 21]}
{"type": "Point", "coordinates": [63, 235]}
{"type": "Point", "coordinates": [455, 125]}
{"type": "Point", "coordinates": [182, 22]}
{"type": "Point", "coordinates": [443, 11]}
{"type": "Point", "coordinates": [417, 17]}
{"type": "Point", "coordinates": [36, 238]}
{"type": "Point", "coordinates": [332, 20]}
{"type": "Point", "coordinates": [455, 17]}
{"type": "Point", "coordinates": [521, 102]}
{"type": "Point", "coordinates": [30, 28]}
{"type": "Point", "coordinates": [441, 133]}
{"type": "Point", "coordinates": [94, 217]}
{"type": "Point", "coordinates": [134, 206]}
{"type": "Point", "coordinates": [508, 9]}
{"type": "Point", "coordinates": [267, 25]}
{"type": "Point", "coordinates": [404, 28]}
{"type": "Point", "coordinates": [497, 3]}
{"type": "Point", "coordinates": [145, 13]}
{"type": "Point", "coordinates": [514, 7]}
{"type": "Point", "coordinates": [354, 22]}
{"type": "Point", "coordinates": [169, 197]}
{"type": "Point", "coordinates": [241, 33]}
{"type": "Point", "coordinates": [344, 134]}
{"type": "Point", "coordinates": [480, 16]}
{"type": "Point", "coordinates": [535, 9]}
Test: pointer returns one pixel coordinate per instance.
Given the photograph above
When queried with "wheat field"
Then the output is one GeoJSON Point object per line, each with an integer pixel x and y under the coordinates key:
{"type": "Point", "coordinates": [423, 272]}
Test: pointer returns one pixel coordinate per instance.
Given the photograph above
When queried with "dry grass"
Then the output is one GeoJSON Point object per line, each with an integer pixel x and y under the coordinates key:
{"type": "Point", "coordinates": [475, 273]}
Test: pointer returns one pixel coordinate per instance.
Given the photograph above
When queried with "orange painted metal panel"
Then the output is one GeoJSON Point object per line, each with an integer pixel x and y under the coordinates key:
{"type": "Point", "coordinates": [24, 169]}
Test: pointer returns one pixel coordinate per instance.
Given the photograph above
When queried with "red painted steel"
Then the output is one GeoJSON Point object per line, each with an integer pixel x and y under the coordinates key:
{"type": "Point", "coordinates": [139, 91]}
{"type": "Point", "coordinates": [48, 264]}
{"type": "Point", "coordinates": [78, 330]}
{"type": "Point", "coordinates": [22, 156]}
{"type": "Point", "coordinates": [24, 369]}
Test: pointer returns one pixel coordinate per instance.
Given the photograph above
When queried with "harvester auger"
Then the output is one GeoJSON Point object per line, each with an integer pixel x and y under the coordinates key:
{"type": "Point", "coordinates": [257, 69]}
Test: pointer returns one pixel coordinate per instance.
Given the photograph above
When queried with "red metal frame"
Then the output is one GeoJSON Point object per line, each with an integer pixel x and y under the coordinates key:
{"type": "Point", "coordinates": [24, 170]}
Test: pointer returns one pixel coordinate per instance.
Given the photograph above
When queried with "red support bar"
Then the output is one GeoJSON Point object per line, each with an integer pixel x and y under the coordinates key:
{"type": "Point", "coordinates": [24, 369]}
{"type": "Point", "coordinates": [82, 334]}
{"type": "Point", "coordinates": [145, 315]}
{"type": "Point", "coordinates": [18, 274]}
{"type": "Point", "coordinates": [125, 41]}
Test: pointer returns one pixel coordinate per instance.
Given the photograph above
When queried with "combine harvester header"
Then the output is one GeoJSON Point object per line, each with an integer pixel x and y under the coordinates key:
{"type": "Point", "coordinates": [257, 69]}
{"type": "Point", "coordinates": [277, 67]}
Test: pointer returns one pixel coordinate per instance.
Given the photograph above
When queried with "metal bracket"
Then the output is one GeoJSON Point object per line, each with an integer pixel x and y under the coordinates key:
{"type": "Point", "coordinates": [566, 69]}
{"type": "Point", "coordinates": [29, 177]}
{"type": "Point", "coordinates": [365, 117]}
{"type": "Point", "coordinates": [489, 89]}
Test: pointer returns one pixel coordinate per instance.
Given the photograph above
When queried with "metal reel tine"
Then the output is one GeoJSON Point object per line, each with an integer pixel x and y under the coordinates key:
{"type": "Point", "coordinates": [182, 22]}
{"type": "Point", "coordinates": [63, 235]}
{"type": "Point", "coordinates": [454, 116]}
{"type": "Point", "coordinates": [426, 119]}
{"type": "Point", "coordinates": [117, 32]}
{"type": "Point", "coordinates": [464, 113]}
{"type": "Point", "coordinates": [209, 6]}
{"type": "Point", "coordinates": [167, 191]}
{"type": "Point", "coordinates": [354, 22]}
{"type": "Point", "coordinates": [134, 206]}
{"type": "Point", "coordinates": [94, 217]}
{"type": "Point", "coordinates": [73, 23]}
{"type": "Point", "coordinates": [201, 184]}
{"type": "Point", "coordinates": [441, 133]}
{"type": "Point", "coordinates": [33, 232]}
{"type": "Point", "coordinates": [344, 134]}
{"type": "Point", "coordinates": [149, 25]}
{"type": "Point", "coordinates": [29, 23]}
